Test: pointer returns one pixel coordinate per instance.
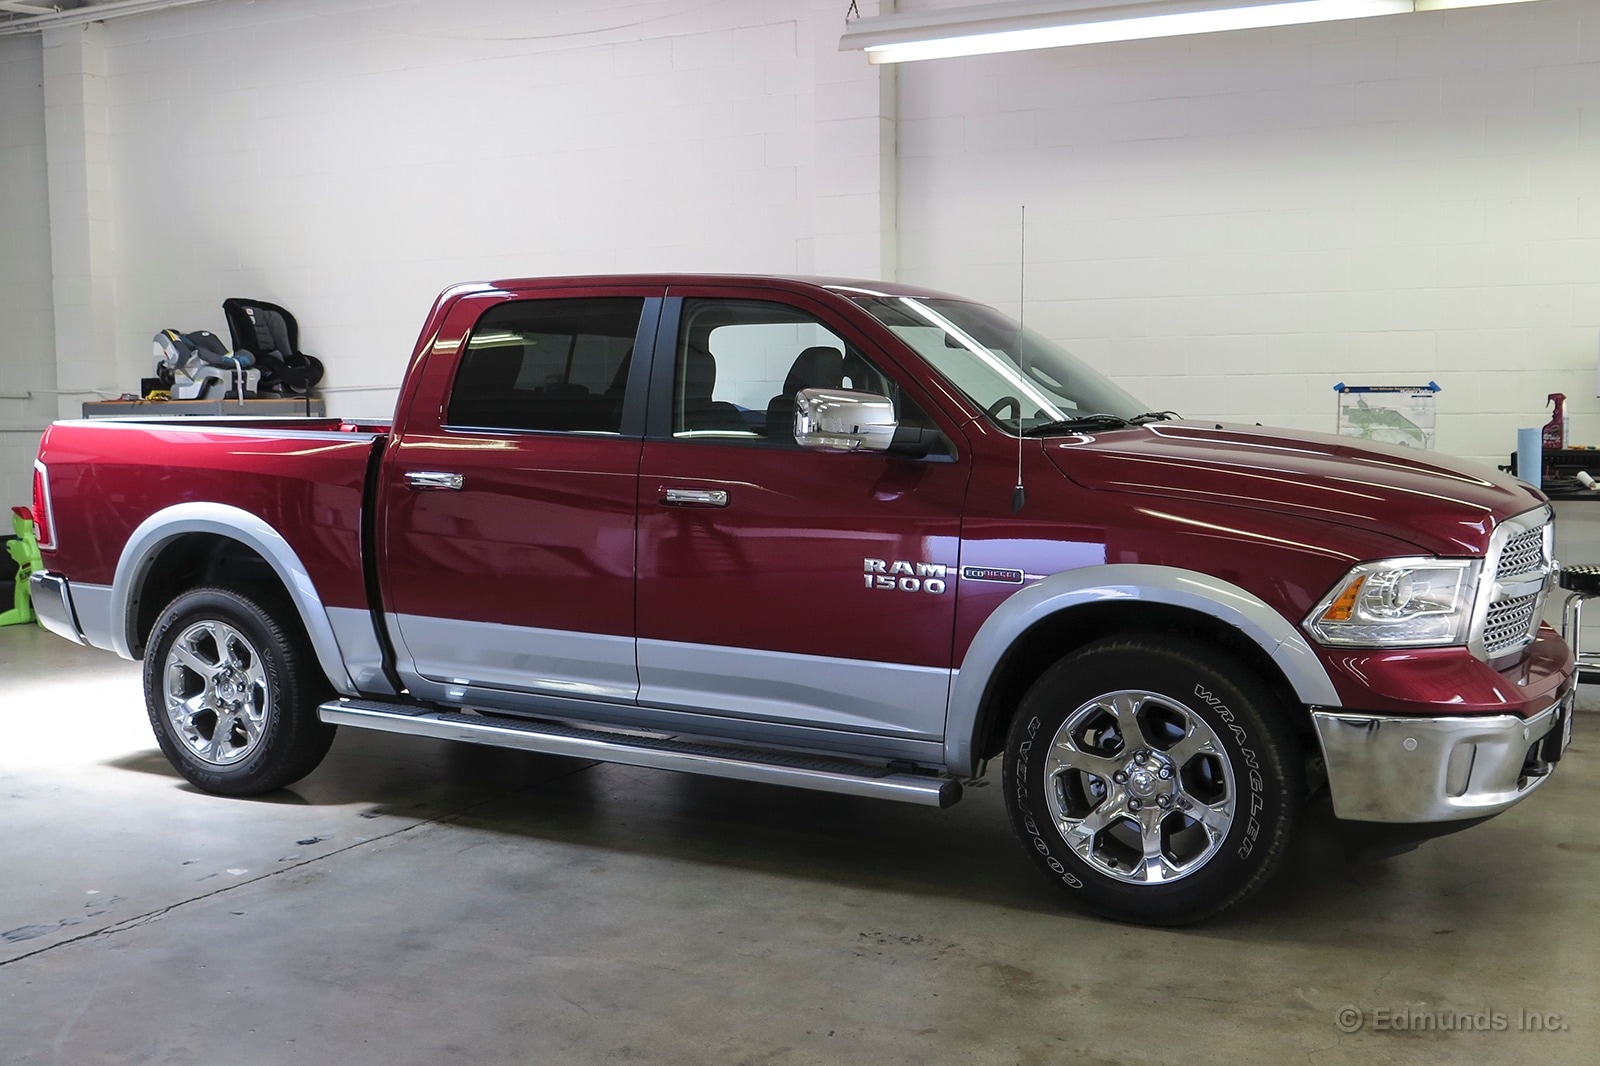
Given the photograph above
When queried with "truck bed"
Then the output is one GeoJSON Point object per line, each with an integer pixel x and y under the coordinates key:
{"type": "Point", "coordinates": [111, 479]}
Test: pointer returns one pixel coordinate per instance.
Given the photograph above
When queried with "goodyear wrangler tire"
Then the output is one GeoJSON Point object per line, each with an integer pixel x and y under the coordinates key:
{"type": "Point", "coordinates": [232, 694]}
{"type": "Point", "coordinates": [1153, 779]}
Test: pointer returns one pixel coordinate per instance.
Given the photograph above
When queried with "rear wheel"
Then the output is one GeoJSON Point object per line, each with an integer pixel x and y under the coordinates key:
{"type": "Point", "coordinates": [1152, 778]}
{"type": "Point", "coordinates": [232, 694]}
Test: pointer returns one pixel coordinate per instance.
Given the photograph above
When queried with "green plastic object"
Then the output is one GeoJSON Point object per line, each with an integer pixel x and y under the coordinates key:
{"type": "Point", "coordinates": [25, 550]}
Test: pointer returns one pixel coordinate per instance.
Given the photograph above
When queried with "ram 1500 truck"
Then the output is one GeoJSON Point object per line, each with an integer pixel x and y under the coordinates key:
{"type": "Point", "coordinates": [841, 535]}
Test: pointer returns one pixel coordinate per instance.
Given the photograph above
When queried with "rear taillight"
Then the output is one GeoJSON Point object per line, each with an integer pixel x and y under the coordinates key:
{"type": "Point", "coordinates": [43, 528]}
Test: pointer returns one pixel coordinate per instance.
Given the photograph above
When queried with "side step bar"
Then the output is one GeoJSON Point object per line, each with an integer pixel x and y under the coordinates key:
{"type": "Point", "coordinates": [657, 752]}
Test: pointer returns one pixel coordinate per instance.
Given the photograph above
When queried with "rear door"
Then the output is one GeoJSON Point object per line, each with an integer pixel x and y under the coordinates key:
{"type": "Point", "coordinates": [509, 535]}
{"type": "Point", "coordinates": [779, 585]}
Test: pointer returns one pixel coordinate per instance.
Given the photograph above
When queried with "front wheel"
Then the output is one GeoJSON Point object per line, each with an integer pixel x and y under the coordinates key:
{"type": "Point", "coordinates": [232, 694]}
{"type": "Point", "coordinates": [1152, 779]}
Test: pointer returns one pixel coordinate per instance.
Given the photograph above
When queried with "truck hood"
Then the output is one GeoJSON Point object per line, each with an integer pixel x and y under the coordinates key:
{"type": "Point", "coordinates": [1444, 506]}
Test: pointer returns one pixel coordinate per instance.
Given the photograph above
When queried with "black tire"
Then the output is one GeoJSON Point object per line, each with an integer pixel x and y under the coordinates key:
{"type": "Point", "coordinates": [232, 694]}
{"type": "Point", "coordinates": [1156, 779]}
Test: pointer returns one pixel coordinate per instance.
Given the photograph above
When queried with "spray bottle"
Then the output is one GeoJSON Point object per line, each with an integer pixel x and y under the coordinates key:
{"type": "Point", "coordinates": [1554, 436]}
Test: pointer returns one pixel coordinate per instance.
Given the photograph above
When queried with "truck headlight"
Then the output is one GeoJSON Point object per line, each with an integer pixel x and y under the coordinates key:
{"type": "Point", "coordinates": [1399, 603]}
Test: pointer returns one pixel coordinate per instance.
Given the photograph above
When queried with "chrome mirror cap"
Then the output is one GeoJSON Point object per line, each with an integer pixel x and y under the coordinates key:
{"type": "Point", "coordinates": [840, 420]}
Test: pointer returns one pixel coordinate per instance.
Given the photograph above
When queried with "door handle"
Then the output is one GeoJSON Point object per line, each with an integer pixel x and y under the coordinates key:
{"type": "Point", "coordinates": [434, 481]}
{"type": "Point", "coordinates": [694, 497]}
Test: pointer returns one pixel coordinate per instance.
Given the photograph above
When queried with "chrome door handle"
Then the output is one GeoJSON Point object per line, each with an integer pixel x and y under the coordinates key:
{"type": "Point", "coordinates": [694, 497]}
{"type": "Point", "coordinates": [434, 480]}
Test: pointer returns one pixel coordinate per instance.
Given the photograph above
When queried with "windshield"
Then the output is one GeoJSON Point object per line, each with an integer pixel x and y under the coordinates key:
{"type": "Point", "coordinates": [1013, 374]}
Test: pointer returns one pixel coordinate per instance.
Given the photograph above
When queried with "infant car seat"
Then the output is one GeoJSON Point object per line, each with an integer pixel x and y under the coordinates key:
{"type": "Point", "coordinates": [270, 333]}
{"type": "Point", "coordinates": [196, 365]}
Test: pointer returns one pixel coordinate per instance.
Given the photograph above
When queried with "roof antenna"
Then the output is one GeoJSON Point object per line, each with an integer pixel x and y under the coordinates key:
{"type": "Point", "coordinates": [1019, 495]}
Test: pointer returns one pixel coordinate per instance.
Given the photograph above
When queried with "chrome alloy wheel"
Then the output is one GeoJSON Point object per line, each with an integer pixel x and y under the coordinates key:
{"type": "Point", "coordinates": [1140, 787]}
{"type": "Point", "coordinates": [216, 692]}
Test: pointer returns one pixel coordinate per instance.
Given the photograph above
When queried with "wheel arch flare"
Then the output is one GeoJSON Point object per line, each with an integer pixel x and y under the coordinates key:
{"type": "Point", "coordinates": [158, 532]}
{"type": "Point", "coordinates": [995, 669]}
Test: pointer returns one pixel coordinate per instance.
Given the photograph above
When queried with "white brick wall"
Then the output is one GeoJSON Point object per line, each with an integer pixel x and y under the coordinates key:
{"type": "Point", "coordinates": [349, 159]}
{"type": "Point", "coordinates": [1231, 224]}
{"type": "Point", "coordinates": [27, 331]}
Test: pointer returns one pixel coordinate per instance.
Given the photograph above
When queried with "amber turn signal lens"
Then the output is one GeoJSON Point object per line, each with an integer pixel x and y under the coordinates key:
{"type": "Point", "coordinates": [1342, 608]}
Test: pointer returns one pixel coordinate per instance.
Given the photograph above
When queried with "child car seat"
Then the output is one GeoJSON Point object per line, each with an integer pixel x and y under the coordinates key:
{"type": "Point", "coordinates": [270, 333]}
{"type": "Point", "coordinates": [192, 363]}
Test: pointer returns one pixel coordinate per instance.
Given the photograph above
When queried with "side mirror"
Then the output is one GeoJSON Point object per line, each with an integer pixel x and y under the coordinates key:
{"type": "Point", "coordinates": [840, 420]}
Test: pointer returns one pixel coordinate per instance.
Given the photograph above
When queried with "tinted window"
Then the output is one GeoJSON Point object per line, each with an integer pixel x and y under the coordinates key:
{"type": "Point", "coordinates": [740, 363]}
{"type": "Point", "coordinates": [547, 364]}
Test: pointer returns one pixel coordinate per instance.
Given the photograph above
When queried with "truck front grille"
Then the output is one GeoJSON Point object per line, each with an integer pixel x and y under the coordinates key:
{"type": "Point", "coordinates": [1509, 624]}
{"type": "Point", "coordinates": [1523, 554]}
{"type": "Point", "coordinates": [1520, 551]}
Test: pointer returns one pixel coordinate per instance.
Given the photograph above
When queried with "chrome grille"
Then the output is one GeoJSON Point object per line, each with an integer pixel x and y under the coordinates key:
{"type": "Point", "coordinates": [1523, 554]}
{"type": "Point", "coordinates": [1509, 624]}
{"type": "Point", "coordinates": [1519, 552]}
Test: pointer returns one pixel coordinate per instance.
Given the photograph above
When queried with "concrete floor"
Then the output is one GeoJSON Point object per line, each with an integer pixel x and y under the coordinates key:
{"type": "Point", "coordinates": [416, 902]}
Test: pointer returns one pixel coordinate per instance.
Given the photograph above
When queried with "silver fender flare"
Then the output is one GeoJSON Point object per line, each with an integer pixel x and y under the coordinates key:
{"type": "Point", "coordinates": [1283, 642]}
{"type": "Point", "coordinates": [250, 530]}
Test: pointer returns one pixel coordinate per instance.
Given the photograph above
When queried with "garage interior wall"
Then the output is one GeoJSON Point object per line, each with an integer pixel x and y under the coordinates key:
{"type": "Point", "coordinates": [1233, 224]}
{"type": "Point", "coordinates": [27, 331]}
{"type": "Point", "coordinates": [1228, 224]}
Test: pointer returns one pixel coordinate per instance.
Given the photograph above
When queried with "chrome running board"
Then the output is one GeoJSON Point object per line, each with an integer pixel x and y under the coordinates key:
{"type": "Point", "coordinates": [657, 752]}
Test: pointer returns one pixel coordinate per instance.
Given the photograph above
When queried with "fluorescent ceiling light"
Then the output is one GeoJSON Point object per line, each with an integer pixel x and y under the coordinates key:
{"type": "Point", "coordinates": [1023, 24]}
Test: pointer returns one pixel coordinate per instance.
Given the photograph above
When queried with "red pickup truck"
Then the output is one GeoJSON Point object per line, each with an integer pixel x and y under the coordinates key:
{"type": "Point", "coordinates": [841, 535]}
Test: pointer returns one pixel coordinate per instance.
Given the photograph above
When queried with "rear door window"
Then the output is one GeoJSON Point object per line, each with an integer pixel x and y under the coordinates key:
{"type": "Point", "coordinates": [551, 365]}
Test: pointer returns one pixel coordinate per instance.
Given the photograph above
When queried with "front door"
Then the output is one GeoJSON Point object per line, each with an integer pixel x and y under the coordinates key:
{"type": "Point", "coordinates": [776, 584]}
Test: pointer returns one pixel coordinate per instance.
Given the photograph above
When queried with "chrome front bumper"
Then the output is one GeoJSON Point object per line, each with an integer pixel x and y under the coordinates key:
{"type": "Point", "coordinates": [1393, 769]}
{"type": "Point", "coordinates": [52, 602]}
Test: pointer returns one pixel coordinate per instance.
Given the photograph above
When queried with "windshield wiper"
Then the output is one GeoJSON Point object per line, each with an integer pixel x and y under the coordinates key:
{"type": "Point", "coordinates": [1097, 421]}
{"type": "Point", "coordinates": [1064, 425]}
